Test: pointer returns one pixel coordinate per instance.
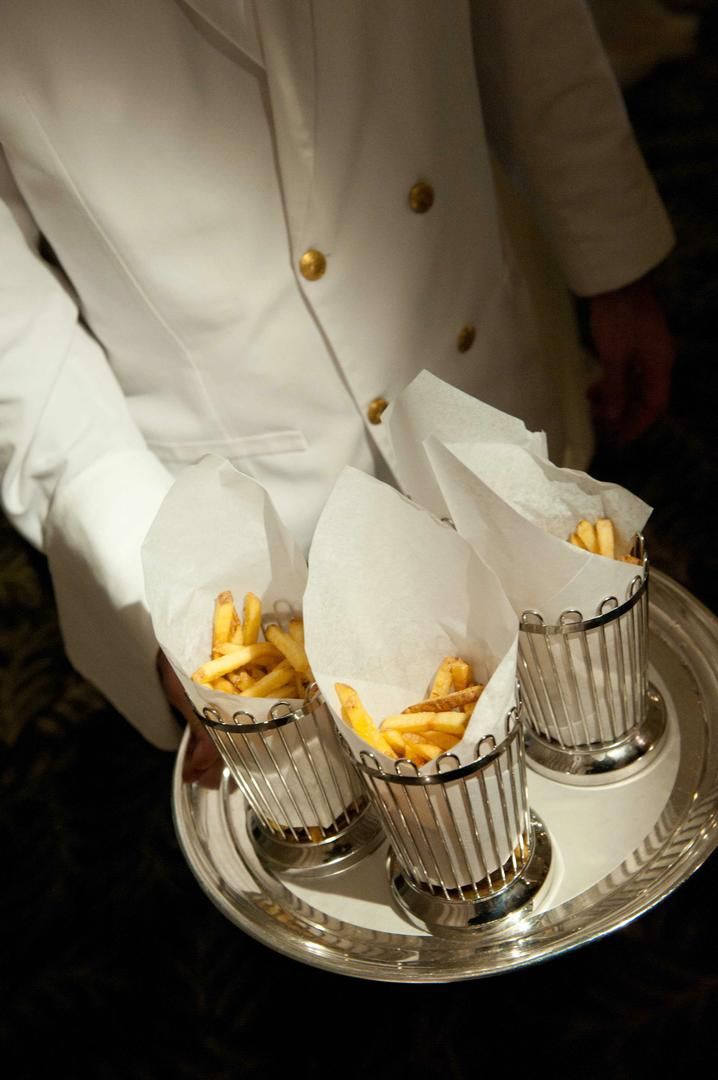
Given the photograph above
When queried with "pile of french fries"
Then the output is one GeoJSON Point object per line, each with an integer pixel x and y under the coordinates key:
{"type": "Point", "coordinates": [600, 539]}
{"type": "Point", "coordinates": [426, 729]}
{"type": "Point", "coordinates": [241, 664]}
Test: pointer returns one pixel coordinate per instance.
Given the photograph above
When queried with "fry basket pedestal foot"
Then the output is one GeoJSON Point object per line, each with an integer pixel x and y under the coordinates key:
{"type": "Point", "coordinates": [458, 918]}
{"type": "Point", "coordinates": [306, 858]}
{"type": "Point", "coordinates": [605, 764]}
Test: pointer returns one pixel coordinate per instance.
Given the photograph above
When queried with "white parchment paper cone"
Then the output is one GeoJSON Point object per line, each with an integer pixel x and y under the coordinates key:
{"type": "Point", "coordinates": [392, 591]}
{"type": "Point", "coordinates": [517, 509]}
{"type": "Point", "coordinates": [218, 529]}
{"type": "Point", "coordinates": [429, 406]}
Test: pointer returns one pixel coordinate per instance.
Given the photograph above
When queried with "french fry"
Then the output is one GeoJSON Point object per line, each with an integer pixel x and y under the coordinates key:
{"type": "Point", "coordinates": [605, 538]}
{"type": "Point", "coordinates": [587, 534]}
{"type": "Point", "coordinates": [629, 559]}
{"type": "Point", "coordinates": [461, 674]}
{"type": "Point", "coordinates": [240, 680]}
{"type": "Point", "coordinates": [271, 682]}
{"type": "Point", "coordinates": [291, 649]}
{"type": "Point", "coordinates": [224, 684]}
{"type": "Point", "coordinates": [458, 700]}
{"type": "Point", "coordinates": [237, 657]}
{"type": "Point", "coordinates": [413, 753]}
{"type": "Point", "coordinates": [442, 739]}
{"type": "Point", "coordinates": [289, 690]}
{"type": "Point", "coordinates": [358, 718]}
{"type": "Point", "coordinates": [441, 684]}
{"type": "Point", "coordinates": [296, 630]}
{"type": "Point", "coordinates": [576, 540]}
{"type": "Point", "coordinates": [251, 619]}
{"type": "Point", "coordinates": [396, 741]}
{"type": "Point", "coordinates": [453, 722]}
{"type": "Point", "coordinates": [225, 617]}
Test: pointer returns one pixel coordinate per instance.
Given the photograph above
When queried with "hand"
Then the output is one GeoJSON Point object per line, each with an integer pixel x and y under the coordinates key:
{"type": "Point", "coordinates": [634, 345]}
{"type": "Point", "coordinates": [202, 762]}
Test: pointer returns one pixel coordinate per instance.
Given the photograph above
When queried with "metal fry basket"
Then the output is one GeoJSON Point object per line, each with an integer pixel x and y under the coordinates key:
{"type": "Point", "coordinates": [465, 848]}
{"type": "Point", "coordinates": [591, 715]}
{"type": "Point", "coordinates": [308, 811]}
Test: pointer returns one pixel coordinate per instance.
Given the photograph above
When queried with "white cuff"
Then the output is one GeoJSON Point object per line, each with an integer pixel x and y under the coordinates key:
{"type": "Point", "coordinates": [93, 536]}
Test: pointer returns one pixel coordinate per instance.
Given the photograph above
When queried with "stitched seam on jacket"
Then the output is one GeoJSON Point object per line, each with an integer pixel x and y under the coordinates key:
{"type": "Point", "coordinates": [125, 268]}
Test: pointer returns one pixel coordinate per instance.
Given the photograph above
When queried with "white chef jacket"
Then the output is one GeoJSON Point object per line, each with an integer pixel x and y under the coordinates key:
{"type": "Point", "coordinates": [230, 189]}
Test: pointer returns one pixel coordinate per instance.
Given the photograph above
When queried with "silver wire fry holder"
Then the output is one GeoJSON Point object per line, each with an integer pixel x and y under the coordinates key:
{"type": "Point", "coordinates": [308, 815]}
{"type": "Point", "coordinates": [466, 849]}
{"type": "Point", "coordinates": [591, 715]}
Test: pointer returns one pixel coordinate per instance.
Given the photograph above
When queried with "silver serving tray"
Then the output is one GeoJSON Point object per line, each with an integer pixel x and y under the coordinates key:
{"type": "Point", "coordinates": [617, 850]}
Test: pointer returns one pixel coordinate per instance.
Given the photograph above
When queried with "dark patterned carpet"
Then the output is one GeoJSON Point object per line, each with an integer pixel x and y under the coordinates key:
{"type": "Point", "coordinates": [115, 965]}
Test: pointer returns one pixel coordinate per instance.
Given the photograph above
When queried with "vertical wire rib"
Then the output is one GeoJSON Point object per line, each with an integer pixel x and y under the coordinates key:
{"type": "Point", "coordinates": [443, 791]}
{"type": "Point", "coordinates": [313, 771]}
{"type": "Point", "coordinates": [401, 837]}
{"type": "Point", "coordinates": [297, 773]}
{"type": "Point", "coordinates": [592, 684]}
{"type": "Point", "coordinates": [548, 698]}
{"type": "Point", "coordinates": [607, 683]}
{"type": "Point", "coordinates": [568, 640]}
{"type": "Point", "coordinates": [490, 823]}
{"type": "Point", "coordinates": [516, 802]}
{"type": "Point", "coordinates": [559, 682]}
{"type": "Point", "coordinates": [475, 834]}
{"type": "Point", "coordinates": [620, 663]}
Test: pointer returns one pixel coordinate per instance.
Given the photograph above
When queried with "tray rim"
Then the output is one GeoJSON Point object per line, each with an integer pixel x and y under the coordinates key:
{"type": "Point", "coordinates": [277, 919]}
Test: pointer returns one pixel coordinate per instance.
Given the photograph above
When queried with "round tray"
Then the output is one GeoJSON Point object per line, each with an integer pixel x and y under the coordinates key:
{"type": "Point", "coordinates": [617, 850]}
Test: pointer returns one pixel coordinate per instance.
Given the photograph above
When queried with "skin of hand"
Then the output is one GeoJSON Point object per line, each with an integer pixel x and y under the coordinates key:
{"type": "Point", "coordinates": [202, 762]}
{"type": "Point", "coordinates": [636, 350]}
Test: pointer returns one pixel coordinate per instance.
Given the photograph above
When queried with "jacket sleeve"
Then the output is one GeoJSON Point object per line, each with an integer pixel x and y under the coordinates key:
{"type": "Point", "coordinates": [556, 120]}
{"type": "Point", "coordinates": [77, 478]}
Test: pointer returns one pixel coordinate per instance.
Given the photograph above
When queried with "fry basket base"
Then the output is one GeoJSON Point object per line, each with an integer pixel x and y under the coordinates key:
{"type": "Point", "coordinates": [321, 858]}
{"type": "Point", "coordinates": [458, 919]}
{"type": "Point", "coordinates": [606, 763]}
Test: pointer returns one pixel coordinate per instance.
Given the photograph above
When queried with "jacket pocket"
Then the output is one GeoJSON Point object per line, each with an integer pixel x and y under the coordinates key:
{"type": "Point", "coordinates": [270, 442]}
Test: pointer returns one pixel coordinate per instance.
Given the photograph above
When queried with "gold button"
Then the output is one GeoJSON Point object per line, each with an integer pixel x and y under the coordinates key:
{"type": "Point", "coordinates": [421, 197]}
{"type": "Point", "coordinates": [312, 265]}
{"type": "Point", "coordinates": [376, 408]}
{"type": "Point", "coordinates": [466, 338]}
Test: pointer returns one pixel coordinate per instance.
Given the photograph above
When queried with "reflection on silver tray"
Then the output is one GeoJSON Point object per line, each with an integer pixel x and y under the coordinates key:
{"type": "Point", "coordinates": [619, 850]}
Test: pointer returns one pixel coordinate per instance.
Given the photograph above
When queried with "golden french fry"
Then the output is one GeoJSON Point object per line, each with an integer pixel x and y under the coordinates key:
{"type": "Point", "coordinates": [358, 718]}
{"type": "Point", "coordinates": [587, 534]}
{"type": "Point", "coordinates": [429, 750]}
{"type": "Point", "coordinates": [461, 674]}
{"type": "Point", "coordinates": [395, 740]}
{"type": "Point", "coordinates": [251, 618]}
{"type": "Point", "coordinates": [458, 700]}
{"type": "Point", "coordinates": [414, 753]}
{"type": "Point", "coordinates": [315, 834]}
{"type": "Point", "coordinates": [630, 559]}
{"type": "Point", "coordinates": [452, 722]}
{"type": "Point", "coordinates": [442, 739]}
{"type": "Point", "coordinates": [289, 690]}
{"type": "Point", "coordinates": [291, 649]}
{"type": "Point", "coordinates": [577, 541]}
{"type": "Point", "coordinates": [240, 680]}
{"type": "Point", "coordinates": [224, 618]}
{"type": "Point", "coordinates": [442, 680]}
{"type": "Point", "coordinates": [296, 630]}
{"type": "Point", "coordinates": [411, 738]}
{"type": "Point", "coordinates": [264, 651]}
{"type": "Point", "coordinates": [280, 676]}
{"type": "Point", "coordinates": [238, 657]}
{"type": "Point", "coordinates": [605, 538]}
{"type": "Point", "coordinates": [223, 684]}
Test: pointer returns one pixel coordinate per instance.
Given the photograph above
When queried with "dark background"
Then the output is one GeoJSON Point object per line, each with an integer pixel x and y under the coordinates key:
{"type": "Point", "coordinates": [114, 962]}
